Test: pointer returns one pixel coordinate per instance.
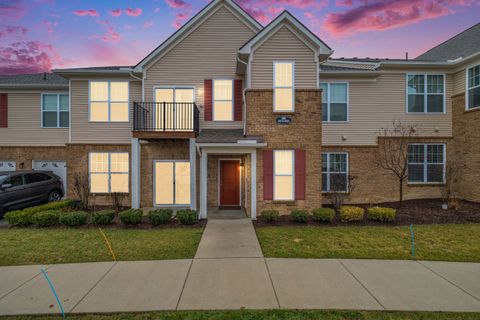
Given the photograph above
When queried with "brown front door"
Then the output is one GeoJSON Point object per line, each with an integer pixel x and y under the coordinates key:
{"type": "Point", "coordinates": [229, 183]}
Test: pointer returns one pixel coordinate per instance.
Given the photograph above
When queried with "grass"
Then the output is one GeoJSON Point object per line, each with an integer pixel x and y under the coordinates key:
{"type": "Point", "coordinates": [449, 242]}
{"type": "Point", "coordinates": [270, 315]}
{"type": "Point", "coordinates": [48, 246]}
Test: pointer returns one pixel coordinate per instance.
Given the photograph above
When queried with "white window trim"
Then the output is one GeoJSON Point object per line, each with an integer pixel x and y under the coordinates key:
{"type": "Point", "coordinates": [328, 83]}
{"type": "Point", "coordinates": [109, 173]}
{"type": "Point", "coordinates": [108, 101]}
{"type": "Point", "coordinates": [275, 87]}
{"type": "Point", "coordinates": [284, 175]}
{"type": "Point", "coordinates": [58, 94]}
{"type": "Point", "coordinates": [328, 172]}
{"type": "Point", "coordinates": [425, 163]}
{"type": "Point", "coordinates": [425, 93]}
{"type": "Point", "coordinates": [173, 205]}
{"type": "Point", "coordinates": [467, 88]}
{"type": "Point", "coordinates": [232, 100]}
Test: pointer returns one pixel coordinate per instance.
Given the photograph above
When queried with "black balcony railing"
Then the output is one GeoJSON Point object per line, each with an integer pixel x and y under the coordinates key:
{"type": "Point", "coordinates": [166, 117]}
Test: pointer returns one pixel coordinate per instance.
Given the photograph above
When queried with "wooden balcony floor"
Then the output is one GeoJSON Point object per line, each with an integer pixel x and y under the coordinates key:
{"type": "Point", "coordinates": [164, 134]}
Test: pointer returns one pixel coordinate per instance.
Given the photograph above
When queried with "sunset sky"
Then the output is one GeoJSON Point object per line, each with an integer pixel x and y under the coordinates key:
{"type": "Point", "coordinates": [39, 35]}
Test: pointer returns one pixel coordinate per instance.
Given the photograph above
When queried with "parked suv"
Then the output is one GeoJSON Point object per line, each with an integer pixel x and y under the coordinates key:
{"type": "Point", "coordinates": [21, 189]}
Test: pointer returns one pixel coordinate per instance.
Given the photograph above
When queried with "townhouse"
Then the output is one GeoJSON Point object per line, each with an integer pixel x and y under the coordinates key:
{"type": "Point", "coordinates": [228, 113]}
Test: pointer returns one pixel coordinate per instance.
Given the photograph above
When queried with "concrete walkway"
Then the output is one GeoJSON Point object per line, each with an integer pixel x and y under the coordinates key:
{"type": "Point", "coordinates": [229, 272]}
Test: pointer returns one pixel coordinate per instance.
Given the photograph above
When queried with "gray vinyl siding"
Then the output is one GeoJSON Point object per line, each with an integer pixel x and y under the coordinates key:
{"type": "Point", "coordinates": [24, 122]}
{"type": "Point", "coordinates": [209, 52]}
{"type": "Point", "coordinates": [284, 45]}
{"type": "Point", "coordinates": [374, 105]}
{"type": "Point", "coordinates": [84, 131]}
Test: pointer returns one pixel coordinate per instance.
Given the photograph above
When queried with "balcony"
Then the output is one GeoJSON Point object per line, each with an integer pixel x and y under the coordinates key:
{"type": "Point", "coordinates": [165, 120]}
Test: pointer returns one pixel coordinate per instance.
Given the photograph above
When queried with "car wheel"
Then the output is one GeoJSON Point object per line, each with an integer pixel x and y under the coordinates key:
{"type": "Point", "coordinates": [55, 195]}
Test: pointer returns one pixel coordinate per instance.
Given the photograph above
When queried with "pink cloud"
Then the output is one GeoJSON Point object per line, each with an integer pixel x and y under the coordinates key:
{"type": "Point", "coordinates": [344, 3]}
{"type": "Point", "coordinates": [133, 12]}
{"type": "Point", "coordinates": [115, 12]}
{"type": "Point", "coordinates": [185, 11]}
{"type": "Point", "coordinates": [148, 24]}
{"type": "Point", "coordinates": [180, 19]}
{"type": "Point", "coordinates": [308, 15]}
{"type": "Point", "coordinates": [89, 12]}
{"type": "Point", "coordinates": [178, 4]}
{"type": "Point", "coordinates": [6, 31]}
{"type": "Point", "coordinates": [50, 25]}
{"type": "Point", "coordinates": [109, 36]}
{"type": "Point", "coordinates": [27, 57]}
{"type": "Point", "coordinates": [382, 15]}
{"type": "Point", "coordinates": [12, 9]}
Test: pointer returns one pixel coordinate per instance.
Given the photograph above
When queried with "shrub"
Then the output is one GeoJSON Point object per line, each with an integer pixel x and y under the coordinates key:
{"type": "Point", "coordinates": [160, 216]}
{"type": "Point", "coordinates": [323, 214]}
{"type": "Point", "coordinates": [186, 217]}
{"type": "Point", "coordinates": [20, 217]}
{"type": "Point", "coordinates": [47, 218]}
{"type": "Point", "coordinates": [351, 214]}
{"type": "Point", "coordinates": [381, 214]}
{"type": "Point", "coordinates": [270, 215]}
{"type": "Point", "coordinates": [103, 217]}
{"type": "Point", "coordinates": [299, 216]}
{"type": "Point", "coordinates": [73, 219]}
{"type": "Point", "coordinates": [131, 217]}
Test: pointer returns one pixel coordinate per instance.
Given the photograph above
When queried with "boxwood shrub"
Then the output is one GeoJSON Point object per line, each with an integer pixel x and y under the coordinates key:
{"type": "Point", "coordinates": [74, 218]}
{"type": "Point", "coordinates": [47, 218]}
{"type": "Point", "coordinates": [186, 217]}
{"type": "Point", "coordinates": [160, 216]}
{"type": "Point", "coordinates": [381, 214]}
{"type": "Point", "coordinates": [131, 216]}
{"type": "Point", "coordinates": [270, 215]}
{"type": "Point", "coordinates": [323, 214]}
{"type": "Point", "coordinates": [351, 213]}
{"type": "Point", "coordinates": [25, 217]}
{"type": "Point", "coordinates": [103, 217]}
{"type": "Point", "coordinates": [300, 216]}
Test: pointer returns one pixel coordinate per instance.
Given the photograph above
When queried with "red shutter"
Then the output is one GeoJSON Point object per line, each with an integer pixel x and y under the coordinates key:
{"type": "Point", "coordinates": [238, 95]}
{"type": "Point", "coordinates": [208, 115]}
{"type": "Point", "coordinates": [300, 162]}
{"type": "Point", "coordinates": [267, 174]}
{"type": "Point", "coordinates": [3, 110]}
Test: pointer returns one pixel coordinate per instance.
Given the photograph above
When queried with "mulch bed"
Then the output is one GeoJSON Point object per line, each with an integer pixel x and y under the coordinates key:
{"type": "Point", "coordinates": [412, 212]}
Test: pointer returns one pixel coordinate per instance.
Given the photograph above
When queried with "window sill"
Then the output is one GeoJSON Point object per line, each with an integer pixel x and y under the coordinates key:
{"type": "Point", "coordinates": [284, 113]}
{"type": "Point", "coordinates": [425, 184]}
{"type": "Point", "coordinates": [472, 110]}
{"type": "Point", "coordinates": [284, 201]}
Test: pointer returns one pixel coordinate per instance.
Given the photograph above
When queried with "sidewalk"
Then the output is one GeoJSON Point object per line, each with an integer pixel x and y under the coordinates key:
{"type": "Point", "coordinates": [229, 272]}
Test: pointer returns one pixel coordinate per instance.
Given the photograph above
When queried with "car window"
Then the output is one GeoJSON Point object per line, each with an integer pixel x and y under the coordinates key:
{"type": "Point", "coordinates": [3, 177]}
{"type": "Point", "coordinates": [15, 181]}
{"type": "Point", "coordinates": [36, 177]}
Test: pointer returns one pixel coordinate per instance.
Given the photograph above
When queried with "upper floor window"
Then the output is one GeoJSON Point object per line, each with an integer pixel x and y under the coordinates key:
{"type": "Point", "coordinates": [426, 93]}
{"type": "Point", "coordinates": [426, 163]}
{"type": "Point", "coordinates": [109, 101]}
{"type": "Point", "coordinates": [334, 102]}
{"type": "Point", "coordinates": [283, 171]}
{"type": "Point", "coordinates": [109, 172]}
{"type": "Point", "coordinates": [473, 87]}
{"type": "Point", "coordinates": [55, 110]}
{"type": "Point", "coordinates": [222, 100]}
{"type": "Point", "coordinates": [283, 87]}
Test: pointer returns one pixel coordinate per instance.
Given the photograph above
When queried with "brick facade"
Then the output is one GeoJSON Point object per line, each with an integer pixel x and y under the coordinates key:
{"type": "Point", "coordinates": [305, 132]}
{"type": "Point", "coordinates": [23, 156]}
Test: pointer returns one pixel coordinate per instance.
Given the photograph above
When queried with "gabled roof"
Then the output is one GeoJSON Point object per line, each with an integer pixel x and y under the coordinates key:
{"type": "Point", "coordinates": [284, 17]}
{"type": "Point", "coordinates": [193, 23]}
{"type": "Point", "coordinates": [462, 45]}
{"type": "Point", "coordinates": [36, 80]}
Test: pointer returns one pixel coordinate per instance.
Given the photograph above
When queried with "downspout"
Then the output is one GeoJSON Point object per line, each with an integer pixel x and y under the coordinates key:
{"type": "Point", "coordinates": [244, 111]}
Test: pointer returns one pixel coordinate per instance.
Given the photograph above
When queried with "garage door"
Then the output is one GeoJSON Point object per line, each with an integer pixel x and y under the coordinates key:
{"type": "Point", "coordinates": [7, 166]}
{"type": "Point", "coordinates": [57, 167]}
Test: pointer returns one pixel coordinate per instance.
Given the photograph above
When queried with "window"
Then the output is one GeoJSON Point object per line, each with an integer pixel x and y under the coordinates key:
{"type": "Point", "coordinates": [109, 172]}
{"type": "Point", "coordinates": [426, 93]}
{"type": "Point", "coordinates": [283, 181]}
{"type": "Point", "coordinates": [55, 110]}
{"type": "Point", "coordinates": [172, 183]}
{"type": "Point", "coordinates": [334, 172]}
{"type": "Point", "coordinates": [473, 87]}
{"type": "Point", "coordinates": [15, 181]}
{"type": "Point", "coordinates": [334, 102]}
{"type": "Point", "coordinates": [36, 177]}
{"type": "Point", "coordinates": [222, 100]}
{"type": "Point", "coordinates": [283, 87]}
{"type": "Point", "coordinates": [109, 101]}
{"type": "Point", "coordinates": [426, 163]}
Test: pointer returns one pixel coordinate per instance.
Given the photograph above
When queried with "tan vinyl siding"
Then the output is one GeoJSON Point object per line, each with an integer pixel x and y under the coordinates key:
{"type": "Point", "coordinates": [459, 83]}
{"type": "Point", "coordinates": [24, 122]}
{"type": "Point", "coordinates": [84, 131]}
{"type": "Point", "coordinates": [208, 52]}
{"type": "Point", "coordinates": [284, 45]}
{"type": "Point", "coordinates": [375, 105]}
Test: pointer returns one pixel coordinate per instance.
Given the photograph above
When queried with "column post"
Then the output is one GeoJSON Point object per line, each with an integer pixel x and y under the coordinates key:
{"type": "Point", "coordinates": [203, 185]}
{"type": "Point", "coordinates": [135, 158]}
{"type": "Point", "coordinates": [254, 184]}
{"type": "Point", "coordinates": [193, 175]}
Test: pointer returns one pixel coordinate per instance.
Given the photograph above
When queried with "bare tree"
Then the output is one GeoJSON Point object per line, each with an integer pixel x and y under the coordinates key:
{"type": "Point", "coordinates": [340, 188]}
{"type": "Point", "coordinates": [451, 179]}
{"type": "Point", "coordinates": [117, 200]}
{"type": "Point", "coordinates": [392, 152]}
{"type": "Point", "coordinates": [81, 189]}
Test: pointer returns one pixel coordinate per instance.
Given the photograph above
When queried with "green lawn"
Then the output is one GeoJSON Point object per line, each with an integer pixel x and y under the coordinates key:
{"type": "Point", "coordinates": [47, 246]}
{"type": "Point", "coordinates": [433, 242]}
{"type": "Point", "coordinates": [271, 315]}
